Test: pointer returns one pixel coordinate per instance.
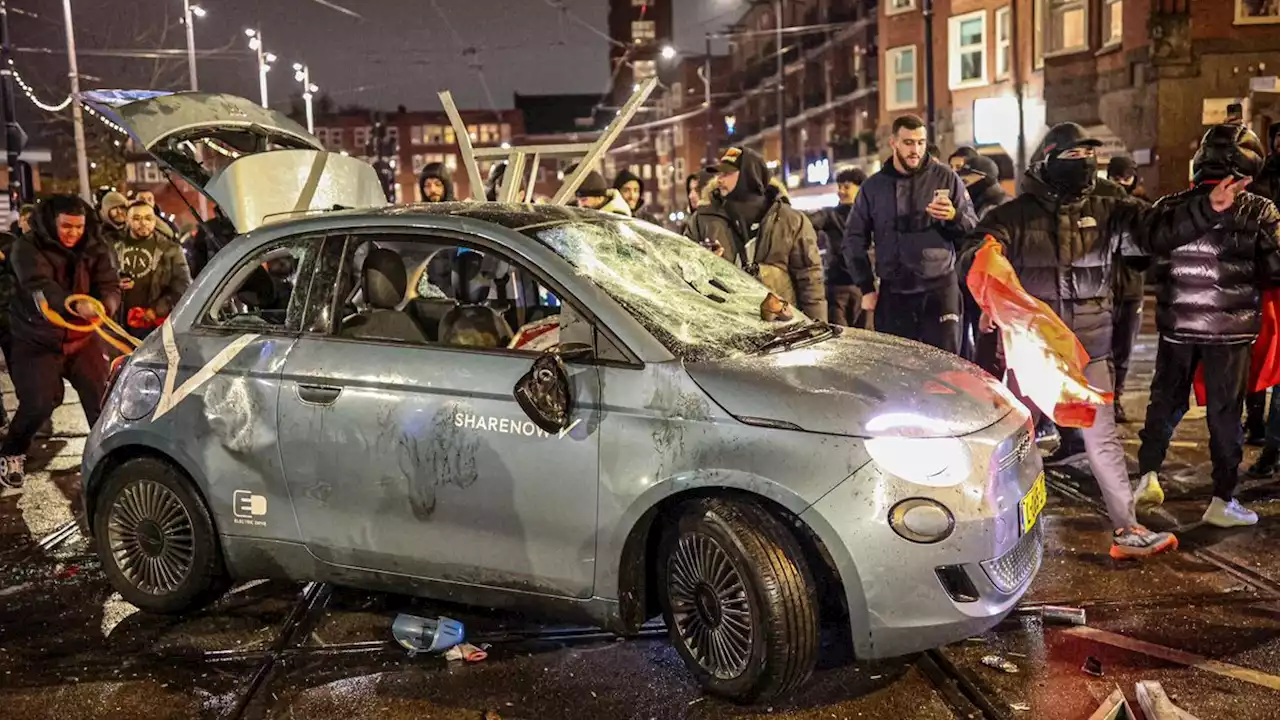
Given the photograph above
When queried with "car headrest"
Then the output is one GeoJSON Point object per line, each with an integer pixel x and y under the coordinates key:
{"type": "Point", "coordinates": [384, 279]}
{"type": "Point", "coordinates": [474, 274]}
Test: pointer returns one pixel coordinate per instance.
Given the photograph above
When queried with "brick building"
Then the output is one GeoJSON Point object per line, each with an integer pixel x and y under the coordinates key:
{"type": "Point", "coordinates": [639, 30]}
{"type": "Point", "coordinates": [830, 70]}
{"type": "Point", "coordinates": [1155, 73]}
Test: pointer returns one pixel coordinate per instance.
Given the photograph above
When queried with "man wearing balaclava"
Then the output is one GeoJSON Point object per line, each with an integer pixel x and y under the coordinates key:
{"type": "Point", "coordinates": [1208, 313]}
{"type": "Point", "coordinates": [747, 218]}
{"type": "Point", "coordinates": [913, 212]}
{"type": "Point", "coordinates": [435, 183]}
{"type": "Point", "coordinates": [1128, 287]}
{"type": "Point", "coordinates": [1063, 240]}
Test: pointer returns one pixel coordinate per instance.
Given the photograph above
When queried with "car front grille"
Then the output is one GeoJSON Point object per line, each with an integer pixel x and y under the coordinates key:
{"type": "Point", "coordinates": [1009, 571]}
{"type": "Point", "coordinates": [1022, 445]}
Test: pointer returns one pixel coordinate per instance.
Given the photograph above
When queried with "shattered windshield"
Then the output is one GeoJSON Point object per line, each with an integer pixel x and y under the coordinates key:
{"type": "Point", "coordinates": [698, 305]}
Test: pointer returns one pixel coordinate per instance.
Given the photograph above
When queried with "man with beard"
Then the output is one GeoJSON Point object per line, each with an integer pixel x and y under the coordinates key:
{"type": "Point", "coordinates": [1129, 282]}
{"type": "Point", "coordinates": [746, 217]}
{"type": "Point", "coordinates": [153, 272]}
{"type": "Point", "coordinates": [435, 182]}
{"type": "Point", "coordinates": [914, 211]}
{"type": "Point", "coordinates": [1209, 314]}
{"type": "Point", "coordinates": [631, 188]}
{"type": "Point", "coordinates": [63, 255]}
{"type": "Point", "coordinates": [163, 224]}
{"type": "Point", "coordinates": [1063, 240]}
{"type": "Point", "coordinates": [844, 297]}
{"type": "Point", "coordinates": [114, 211]}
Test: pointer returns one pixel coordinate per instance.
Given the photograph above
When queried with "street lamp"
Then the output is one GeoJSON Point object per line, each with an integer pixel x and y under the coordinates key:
{"type": "Point", "coordinates": [190, 11]}
{"type": "Point", "coordinates": [303, 75]}
{"type": "Point", "coordinates": [668, 53]}
{"type": "Point", "coordinates": [264, 60]}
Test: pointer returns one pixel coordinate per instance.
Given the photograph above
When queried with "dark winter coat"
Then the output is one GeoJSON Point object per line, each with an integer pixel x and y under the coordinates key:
{"type": "Point", "coordinates": [1209, 290]}
{"type": "Point", "coordinates": [914, 252]}
{"type": "Point", "coordinates": [206, 241]}
{"type": "Point", "coordinates": [8, 283]}
{"type": "Point", "coordinates": [1065, 250]}
{"type": "Point", "coordinates": [42, 265]}
{"type": "Point", "coordinates": [168, 278]}
{"type": "Point", "coordinates": [1267, 184]}
{"type": "Point", "coordinates": [987, 195]}
{"type": "Point", "coordinates": [1130, 275]}
{"type": "Point", "coordinates": [640, 212]}
{"type": "Point", "coordinates": [830, 223]}
{"type": "Point", "coordinates": [786, 255]}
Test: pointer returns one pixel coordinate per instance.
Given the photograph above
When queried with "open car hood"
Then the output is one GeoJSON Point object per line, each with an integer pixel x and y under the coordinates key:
{"type": "Point", "coordinates": [860, 384]}
{"type": "Point", "coordinates": [254, 162]}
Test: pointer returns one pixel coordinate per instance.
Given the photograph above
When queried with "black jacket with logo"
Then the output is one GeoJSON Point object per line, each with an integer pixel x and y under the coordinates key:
{"type": "Point", "coordinates": [1065, 250]}
{"type": "Point", "coordinates": [1210, 289]}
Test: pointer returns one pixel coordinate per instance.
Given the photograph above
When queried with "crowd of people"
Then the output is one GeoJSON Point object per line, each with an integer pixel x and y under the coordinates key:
{"type": "Point", "coordinates": [895, 251]}
{"type": "Point", "coordinates": [892, 255]}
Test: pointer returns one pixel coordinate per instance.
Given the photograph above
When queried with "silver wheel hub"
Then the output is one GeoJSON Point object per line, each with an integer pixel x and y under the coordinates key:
{"type": "Point", "coordinates": [151, 536]}
{"type": "Point", "coordinates": [710, 607]}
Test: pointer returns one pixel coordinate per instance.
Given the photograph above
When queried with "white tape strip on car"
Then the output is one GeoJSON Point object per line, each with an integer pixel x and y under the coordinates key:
{"type": "Point", "coordinates": [170, 397]}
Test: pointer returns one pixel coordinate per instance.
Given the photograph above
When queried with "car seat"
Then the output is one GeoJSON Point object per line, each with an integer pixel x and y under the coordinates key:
{"type": "Point", "coordinates": [473, 323]}
{"type": "Point", "coordinates": [383, 281]}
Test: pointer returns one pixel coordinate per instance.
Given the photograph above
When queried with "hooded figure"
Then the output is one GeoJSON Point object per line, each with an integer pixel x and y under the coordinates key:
{"type": "Point", "coordinates": [1128, 286]}
{"type": "Point", "coordinates": [1063, 240]}
{"type": "Point", "coordinates": [63, 255]}
{"type": "Point", "coordinates": [594, 193]}
{"type": "Point", "coordinates": [631, 188]}
{"type": "Point", "coordinates": [844, 297]}
{"type": "Point", "coordinates": [1208, 313]}
{"type": "Point", "coordinates": [435, 183]}
{"type": "Point", "coordinates": [753, 225]}
{"type": "Point", "coordinates": [113, 212]}
{"type": "Point", "coordinates": [981, 177]}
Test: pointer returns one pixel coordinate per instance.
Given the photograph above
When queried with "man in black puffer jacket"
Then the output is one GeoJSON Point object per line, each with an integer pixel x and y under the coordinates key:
{"type": "Point", "coordinates": [1209, 313]}
{"type": "Point", "coordinates": [1063, 241]}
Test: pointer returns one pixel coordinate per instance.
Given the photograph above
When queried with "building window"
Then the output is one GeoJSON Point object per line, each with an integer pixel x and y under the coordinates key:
{"type": "Point", "coordinates": [473, 132]}
{"type": "Point", "coordinates": [968, 49]}
{"type": "Point", "coordinates": [902, 78]}
{"type": "Point", "coordinates": [648, 171]}
{"type": "Point", "coordinates": [506, 132]}
{"type": "Point", "coordinates": [679, 135]}
{"type": "Point", "coordinates": [393, 133]}
{"type": "Point", "coordinates": [418, 164]}
{"type": "Point", "coordinates": [449, 136]}
{"type": "Point", "coordinates": [415, 135]}
{"type": "Point", "coordinates": [643, 30]}
{"type": "Point", "coordinates": [490, 133]}
{"type": "Point", "coordinates": [451, 162]}
{"type": "Point", "coordinates": [322, 134]}
{"type": "Point", "coordinates": [894, 7]}
{"type": "Point", "coordinates": [362, 137]}
{"type": "Point", "coordinates": [680, 167]}
{"type": "Point", "coordinates": [1004, 43]}
{"type": "Point", "coordinates": [644, 69]}
{"type": "Point", "coordinates": [432, 135]}
{"type": "Point", "coordinates": [1112, 22]}
{"type": "Point", "coordinates": [1066, 26]}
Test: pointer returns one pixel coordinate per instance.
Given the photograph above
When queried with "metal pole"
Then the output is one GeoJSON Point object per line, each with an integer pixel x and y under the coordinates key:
{"type": "Point", "coordinates": [262, 69]}
{"type": "Point", "coordinates": [782, 103]}
{"type": "Point", "coordinates": [77, 108]}
{"type": "Point", "coordinates": [929, 118]}
{"type": "Point", "coordinates": [306, 98]}
{"type": "Point", "coordinates": [1015, 67]}
{"type": "Point", "coordinates": [191, 44]}
{"type": "Point", "coordinates": [709, 156]}
{"type": "Point", "coordinates": [19, 193]}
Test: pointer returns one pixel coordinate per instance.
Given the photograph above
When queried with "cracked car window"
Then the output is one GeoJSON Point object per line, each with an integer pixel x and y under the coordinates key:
{"type": "Point", "coordinates": [700, 306]}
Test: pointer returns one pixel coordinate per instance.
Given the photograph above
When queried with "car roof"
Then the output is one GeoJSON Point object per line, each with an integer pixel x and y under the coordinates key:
{"type": "Point", "coordinates": [513, 216]}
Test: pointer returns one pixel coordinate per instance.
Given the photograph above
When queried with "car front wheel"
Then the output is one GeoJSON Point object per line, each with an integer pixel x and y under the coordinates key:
{"type": "Point", "coordinates": [738, 599]}
{"type": "Point", "coordinates": [156, 538]}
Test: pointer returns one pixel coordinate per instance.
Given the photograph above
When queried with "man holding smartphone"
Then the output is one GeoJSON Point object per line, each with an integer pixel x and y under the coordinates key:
{"type": "Point", "coordinates": [915, 211]}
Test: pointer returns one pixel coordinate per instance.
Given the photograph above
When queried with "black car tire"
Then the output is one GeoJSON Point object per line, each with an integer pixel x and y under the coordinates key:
{"type": "Point", "coordinates": [741, 544]}
{"type": "Point", "coordinates": [150, 490]}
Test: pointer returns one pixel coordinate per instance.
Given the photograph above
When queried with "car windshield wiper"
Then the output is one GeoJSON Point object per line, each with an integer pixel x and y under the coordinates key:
{"type": "Point", "coordinates": [812, 332]}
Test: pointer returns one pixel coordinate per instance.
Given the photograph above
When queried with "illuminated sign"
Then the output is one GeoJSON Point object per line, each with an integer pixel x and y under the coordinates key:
{"type": "Point", "coordinates": [819, 172]}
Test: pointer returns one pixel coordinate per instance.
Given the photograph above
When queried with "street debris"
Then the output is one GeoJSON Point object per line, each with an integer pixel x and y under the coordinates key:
{"type": "Point", "coordinates": [1063, 615]}
{"type": "Point", "coordinates": [419, 634]}
{"type": "Point", "coordinates": [1115, 707]}
{"type": "Point", "coordinates": [1092, 666]}
{"type": "Point", "coordinates": [1020, 707]}
{"type": "Point", "coordinates": [999, 663]}
{"type": "Point", "coordinates": [1156, 704]}
{"type": "Point", "coordinates": [467, 652]}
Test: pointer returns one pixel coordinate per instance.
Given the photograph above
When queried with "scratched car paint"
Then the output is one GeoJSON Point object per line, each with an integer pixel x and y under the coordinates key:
{"type": "Point", "coordinates": [614, 478]}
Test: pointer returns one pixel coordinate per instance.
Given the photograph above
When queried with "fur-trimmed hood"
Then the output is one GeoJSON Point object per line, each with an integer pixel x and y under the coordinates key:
{"type": "Point", "coordinates": [711, 195]}
{"type": "Point", "coordinates": [615, 204]}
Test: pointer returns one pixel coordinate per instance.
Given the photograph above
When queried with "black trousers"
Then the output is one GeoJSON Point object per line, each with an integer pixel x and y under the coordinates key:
{"type": "Point", "coordinates": [844, 306]}
{"type": "Point", "coordinates": [1127, 321]}
{"type": "Point", "coordinates": [1226, 376]}
{"type": "Point", "coordinates": [931, 317]}
{"type": "Point", "coordinates": [37, 374]}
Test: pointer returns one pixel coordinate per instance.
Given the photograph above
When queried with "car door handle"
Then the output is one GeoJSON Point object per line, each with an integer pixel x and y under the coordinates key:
{"type": "Point", "coordinates": [318, 394]}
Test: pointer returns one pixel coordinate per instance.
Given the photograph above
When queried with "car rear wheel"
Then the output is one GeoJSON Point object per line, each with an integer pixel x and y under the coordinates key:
{"type": "Point", "coordinates": [156, 539]}
{"type": "Point", "coordinates": [738, 599]}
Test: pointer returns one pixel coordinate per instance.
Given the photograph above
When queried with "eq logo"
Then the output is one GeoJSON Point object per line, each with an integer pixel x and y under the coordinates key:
{"type": "Point", "coordinates": [248, 508]}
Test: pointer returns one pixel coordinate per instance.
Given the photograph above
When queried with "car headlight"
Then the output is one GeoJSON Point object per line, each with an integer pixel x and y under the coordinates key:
{"type": "Point", "coordinates": [922, 520]}
{"type": "Point", "coordinates": [140, 394]}
{"type": "Point", "coordinates": [934, 462]}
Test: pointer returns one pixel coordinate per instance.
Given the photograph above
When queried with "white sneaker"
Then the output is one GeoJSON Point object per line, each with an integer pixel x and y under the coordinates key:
{"type": "Point", "coordinates": [1149, 492]}
{"type": "Point", "coordinates": [1229, 514]}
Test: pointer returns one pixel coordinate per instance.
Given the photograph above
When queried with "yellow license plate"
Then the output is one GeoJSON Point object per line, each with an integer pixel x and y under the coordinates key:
{"type": "Point", "coordinates": [1032, 504]}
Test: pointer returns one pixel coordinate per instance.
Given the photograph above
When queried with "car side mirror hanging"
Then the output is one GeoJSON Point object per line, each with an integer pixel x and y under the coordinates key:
{"type": "Point", "coordinates": [543, 393]}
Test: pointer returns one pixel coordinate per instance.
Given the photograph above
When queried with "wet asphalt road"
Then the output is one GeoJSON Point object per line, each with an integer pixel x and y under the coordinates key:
{"type": "Point", "coordinates": [1204, 622]}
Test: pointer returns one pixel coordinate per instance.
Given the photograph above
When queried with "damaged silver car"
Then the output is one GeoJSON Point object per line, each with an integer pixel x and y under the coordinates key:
{"type": "Point", "coordinates": [545, 408]}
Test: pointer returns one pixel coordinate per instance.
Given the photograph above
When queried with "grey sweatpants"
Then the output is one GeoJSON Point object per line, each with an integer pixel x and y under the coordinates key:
{"type": "Point", "coordinates": [1105, 451]}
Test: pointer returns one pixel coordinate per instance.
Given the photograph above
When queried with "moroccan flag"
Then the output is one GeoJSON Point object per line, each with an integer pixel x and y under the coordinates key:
{"type": "Point", "coordinates": [1045, 358]}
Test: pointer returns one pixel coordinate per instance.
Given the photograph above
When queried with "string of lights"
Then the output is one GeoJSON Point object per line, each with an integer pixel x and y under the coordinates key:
{"type": "Point", "coordinates": [31, 93]}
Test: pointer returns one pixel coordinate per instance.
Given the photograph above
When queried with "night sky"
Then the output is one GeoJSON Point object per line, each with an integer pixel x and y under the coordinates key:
{"type": "Point", "coordinates": [401, 53]}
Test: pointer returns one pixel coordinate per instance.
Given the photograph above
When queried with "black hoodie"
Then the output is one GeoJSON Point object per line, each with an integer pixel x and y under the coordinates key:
{"type": "Point", "coordinates": [440, 172]}
{"type": "Point", "coordinates": [42, 265]}
{"type": "Point", "coordinates": [625, 176]}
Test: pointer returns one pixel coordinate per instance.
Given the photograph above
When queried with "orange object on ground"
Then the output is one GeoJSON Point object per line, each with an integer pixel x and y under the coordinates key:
{"type": "Point", "coordinates": [1264, 367]}
{"type": "Point", "coordinates": [1045, 358]}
